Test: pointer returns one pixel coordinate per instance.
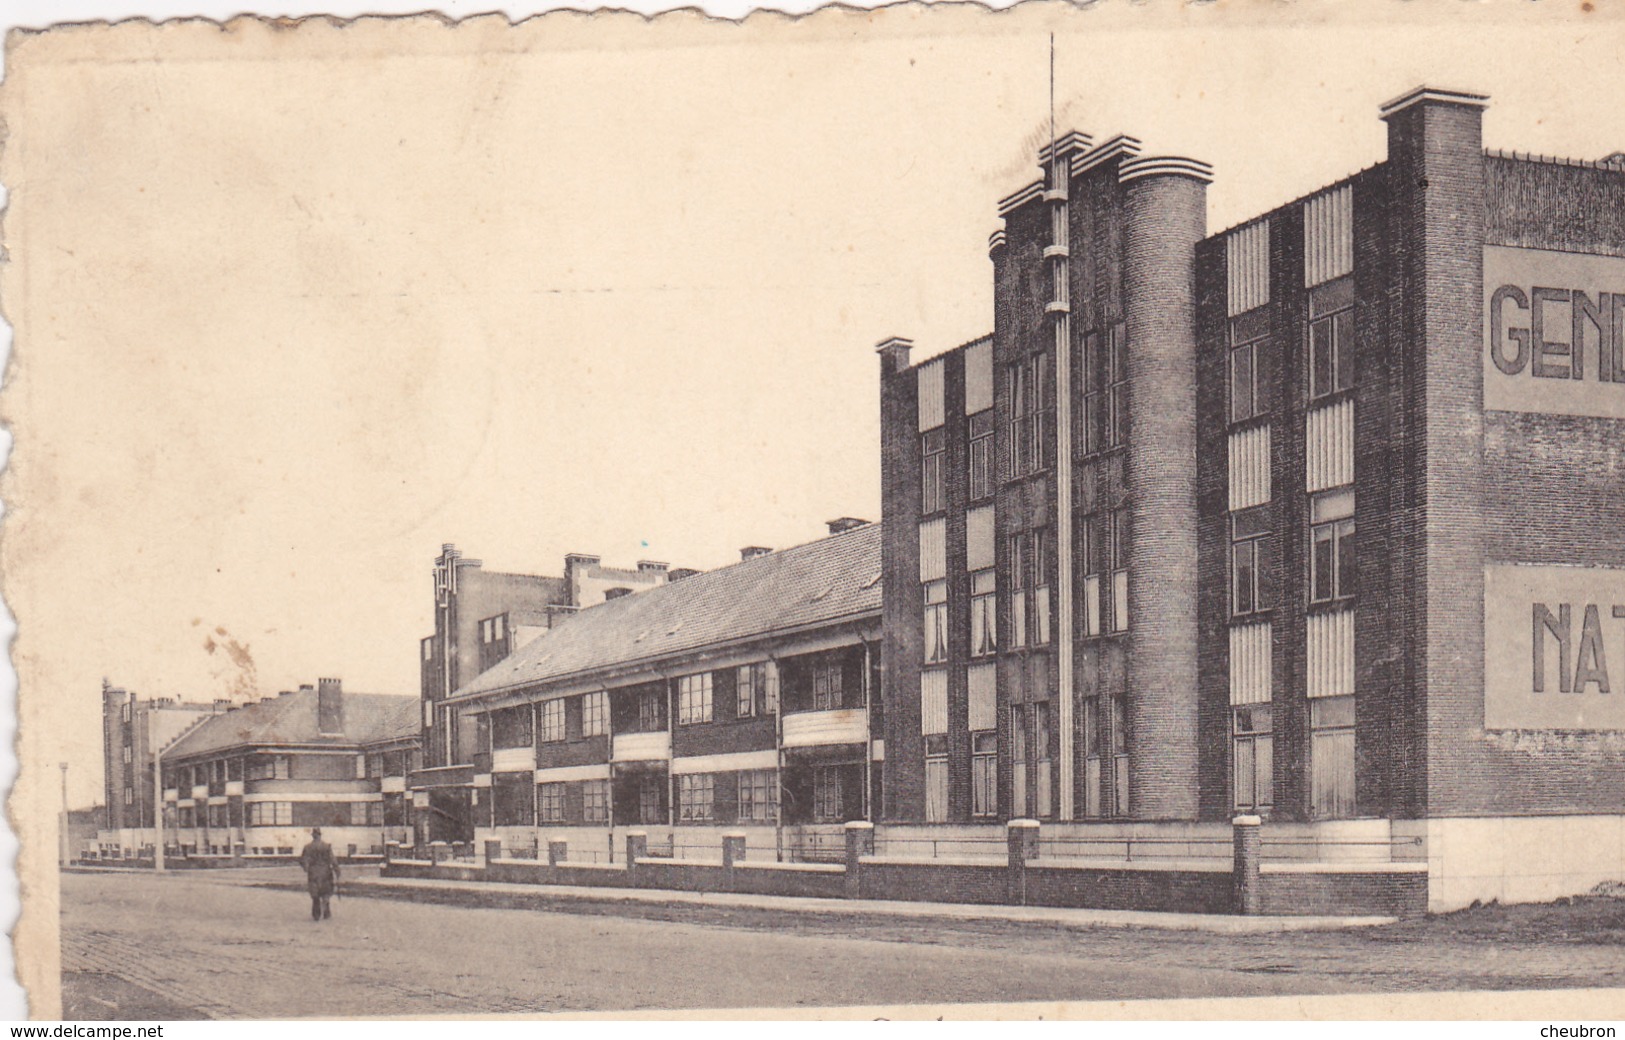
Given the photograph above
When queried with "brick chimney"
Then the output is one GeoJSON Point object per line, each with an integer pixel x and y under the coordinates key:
{"type": "Point", "coordinates": [843, 524]}
{"type": "Point", "coordinates": [679, 573]}
{"type": "Point", "coordinates": [750, 552]}
{"type": "Point", "coordinates": [616, 593]}
{"type": "Point", "coordinates": [329, 708]}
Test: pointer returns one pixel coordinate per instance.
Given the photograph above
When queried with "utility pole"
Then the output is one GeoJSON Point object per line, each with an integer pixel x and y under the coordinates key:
{"type": "Point", "coordinates": [67, 850]}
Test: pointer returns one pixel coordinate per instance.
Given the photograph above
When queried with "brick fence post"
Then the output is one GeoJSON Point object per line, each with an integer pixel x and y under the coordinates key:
{"type": "Point", "coordinates": [637, 847]}
{"type": "Point", "coordinates": [1021, 842]}
{"type": "Point", "coordinates": [733, 851]}
{"type": "Point", "coordinates": [392, 851]}
{"type": "Point", "coordinates": [860, 842]}
{"type": "Point", "coordinates": [558, 850]}
{"type": "Point", "coordinates": [439, 851]}
{"type": "Point", "coordinates": [1248, 841]}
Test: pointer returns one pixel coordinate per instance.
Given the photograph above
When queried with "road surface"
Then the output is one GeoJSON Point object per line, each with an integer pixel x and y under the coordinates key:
{"type": "Point", "coordinates": [217, 945]}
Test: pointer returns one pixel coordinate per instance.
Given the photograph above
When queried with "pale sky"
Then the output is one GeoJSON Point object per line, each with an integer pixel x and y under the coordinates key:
{"type": "Point", "coordinates": [292, 313]}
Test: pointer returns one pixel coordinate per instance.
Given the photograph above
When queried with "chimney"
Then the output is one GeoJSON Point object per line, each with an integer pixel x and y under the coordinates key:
{"type": "Point", "coordinates": [894, 354]}
{"type": "Point", "coordinates": [750, 552]}
{"type": "Point", "coordinates": [679, 573]}
{"type": "Point", "coordinates": [616, 593]}
{"type": "Point", "coordinates": [843, 524]}
{"type": "Point", "coordinates": [329, 707]}
{"type": "Point", "coordinates": [652, 567]}
{"type": "Point", "coordinates": [1613, 162]}
{"type": "Point", "coordinates": [223, 704]}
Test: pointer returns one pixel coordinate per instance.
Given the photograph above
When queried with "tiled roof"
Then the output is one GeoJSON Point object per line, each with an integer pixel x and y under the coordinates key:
{"type": "Point", "coordinates": [830, 580]}
{"type": "Point", "coordinates": [291, 719]}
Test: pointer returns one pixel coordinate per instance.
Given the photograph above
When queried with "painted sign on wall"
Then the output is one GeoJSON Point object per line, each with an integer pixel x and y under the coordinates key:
{"type": "Point", "coordinates": [1554, 648]}
{"type": "Point", "coordinates": [1554, 332]}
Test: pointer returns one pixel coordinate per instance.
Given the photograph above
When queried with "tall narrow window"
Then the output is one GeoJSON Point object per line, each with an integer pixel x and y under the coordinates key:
{"type": "Point", "coordinates": [1250, 587]}
{"type": "Point", "coordinates": [827, 683]}
{"type": "Point", "coordinates": [984, 774]}
{"type": "Point", "coordinates": [935, 595]}
{"type": "Point", "coordinates": [1331, 546]}
{"type": "Point", "coordinates": [1118, 535]}
{"type": "Point", "coordinates": [652, 798]}
{"type": "Point", "coordinates": [1331, 755]}
{"type": "Point", "coordinates": [1331, 337]}
{"type": "Point", "coordinates": [1031, 404]}
{"type": "Point", "coordinates": [1093, 554]}
{"type": "Point", "coordinates": [1041, 760]}
{"type": "Point", "coordinates": [1091, 756]}
{"type": "Point", "coordinates": [1018, 760]}
{"type": "Point", "coordinates": [595, 801]}
{"type": "Point", "coordinates": [550, 802]}
{"type": "Point", "coordinates": [933, 445]}
{"type": "Point", "coordinates": [749, 689]}
{"type": "Point", "coordinates": [652, 710]}
{"type": "Point", "coordinates": [981, 455]}
{"type": "Point", "coordinates": [1091, 408]}
{"type": "Point", "coordinates": [1119, 739]}
{"type": "Point", "coordinates": [1116, 386]}
{"type": "Point", "coordinates": [1247, 336]}
{"type": "Point", "coordinates": [1254, 756]}
{"type": "Point", "coordinates": [984, 613]}
{"type": "Point", "coordinates": [936, 778]}
{"type": "Point", "coordinates": [829, 806]}
{"type": "Point", "coordinates": [758, 796]}
{"type": "Point", "coordinates": [1019, 578]}
{"type": "Point", "coordinates": [1040, 613]}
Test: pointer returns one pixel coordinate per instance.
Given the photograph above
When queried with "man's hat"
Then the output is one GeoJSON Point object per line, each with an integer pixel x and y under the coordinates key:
{"type": "Point", "coordinates": [315, 832]}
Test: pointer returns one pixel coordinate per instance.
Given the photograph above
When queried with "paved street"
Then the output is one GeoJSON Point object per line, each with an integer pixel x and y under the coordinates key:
{"type": "Point", "coordinates": [220, 946]}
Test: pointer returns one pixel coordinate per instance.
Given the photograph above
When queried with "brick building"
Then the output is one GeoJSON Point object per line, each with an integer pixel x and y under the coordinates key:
{"type": "Point", "coordinates": [744, 697]}
{"type": "Point", "coordinates": [481, 617]}
{"type": "Point", "coordinates": [132, 730]}
{"type": "Point", "coordinates": [1317, 518]}
{"type": "Point", "coordinates": [252, 780]}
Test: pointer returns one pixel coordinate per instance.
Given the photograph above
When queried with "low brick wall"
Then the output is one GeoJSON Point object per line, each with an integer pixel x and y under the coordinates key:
{"type": "Point", "coordinates": [939, 881]}
{"type": "Point", "coordinates": [1309, 892]}
{"type": "Point", "coordinates": [788, 879]}
{"type": "Point", "coordinates": [1124, 888]}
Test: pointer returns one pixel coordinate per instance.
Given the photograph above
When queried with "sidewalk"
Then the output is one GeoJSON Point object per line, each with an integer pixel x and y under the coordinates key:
{"type": "Point", "coordinates": [548, 897]}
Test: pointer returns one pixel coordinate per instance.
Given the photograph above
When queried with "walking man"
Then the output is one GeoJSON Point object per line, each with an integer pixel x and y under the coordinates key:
{"type": "Point", "coordinates": [321, 874]}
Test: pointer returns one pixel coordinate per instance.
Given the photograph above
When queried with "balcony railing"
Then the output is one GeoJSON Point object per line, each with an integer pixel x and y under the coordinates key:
{"type": "Point", "coordinates": [820, 728]}
{"type": "Point", "coordinates": [641, 747]}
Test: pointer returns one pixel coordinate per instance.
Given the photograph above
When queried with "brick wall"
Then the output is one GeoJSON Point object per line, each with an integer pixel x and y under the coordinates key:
{"type": "Point", "coordinates": [1345, 893]}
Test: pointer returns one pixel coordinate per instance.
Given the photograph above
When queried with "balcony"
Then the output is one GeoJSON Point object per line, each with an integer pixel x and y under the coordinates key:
{"type": "Point", "coordinates": [441, 776]}
{"type": "Point", "coordinates": [513, 760]}
{"type": "Point", "coordinates": [641, 747]}
{"type": "Point", "coordinates": [823, 728]}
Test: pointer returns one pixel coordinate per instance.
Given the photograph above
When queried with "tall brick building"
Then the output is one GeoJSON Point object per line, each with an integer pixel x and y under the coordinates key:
{"type": "Point", "coordinates": [133, 729]}
{"type": "Point", "coordinates": [1317, 518]}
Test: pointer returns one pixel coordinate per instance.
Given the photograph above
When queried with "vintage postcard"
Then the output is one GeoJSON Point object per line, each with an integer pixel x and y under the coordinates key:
{"type": "Point", "coordinates": [1085, 511]}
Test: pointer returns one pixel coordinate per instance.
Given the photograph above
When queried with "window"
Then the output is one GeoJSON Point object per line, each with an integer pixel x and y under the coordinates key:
{"type": "Point", "coordinates": [1018, 760]}
{"type": "Point", "coordinates": [1331, 546]}
{"type": "Point", "coordinates": [935, 594]}
{"type": "Point", "coordinates": [1041, 759]}
{"type": "Point", "coordinates": [1030, 404]}
{"type": "Point", "coordinates": [550, 802]}
{"type": "Point", "coordinates": [268, 767]}
{"type": "Point", "coordinates": [694, 699]}
{"type": "Point", "coordinates": [1254, 756]}
{"type": "Point", "coordinates": [1250, 586]}
{"type": "Point", "coordinates": [981, 456]}
{"type": "Point", "coordinates": [747, 681]}
{"type": "Point", "coordinates": [696, 797]}
{"type": "Point", "coordinates": [594, 801]}
{"type": "Point", "coordinates": [552, 723]}
{"type": "Point", "coordinates": [827, 684]}
{"type": "Point", "coordinates": [595, 714]}
{"type": "Point", "coordinates": [1090, 401]}
{"type": "Point", "coordinates": [124, 711]}
{"type": "Point", "coordinates": [652, 798]}
{"type": "Point", "coordinates": [1091, 756]}
{"type": "Point", "coordinates": [1093, 554]}
{"type": "Point", "coordinates": [651, 710]}
{"type": "Point", "coordinates": [1118, 537]}
{"type": "Point", "coordinates": [126, 754]}
{"type": "Point", "coordinates": [270, 814]}
{"type": "Point", "coordinates": [984, 613]}
{"type": "Point", "coordinates": [1029, 600]}
{"type": "Point", "coordinates": [513, 800]}
{"type": "Point", "coordinates": [1116, 432]}
{"type": "Point", "coordinates": [758, 796]}
{"type": "Point", "coordinates": [428, 649]}
{"type": "Point", "coordinates": [1331, 338]}
{"type": "Point", "coordinates": [984, 774]}
{"type": "Point", "coordinates": [129, 796]}
{"type": "Point", "coordinates": [493, 629]}
{"type": "Point", "coordinates": [936, 779]}
{"type": "Point", "coordinates": [828, 804]}
{"type": "Point", "coordinates": [933, 446]}
{"type": "Point", "coordinates": [1331, 755]}
{"type": "Point", "coordinates": [1118, 723]}
{"type": "Point", "coordinates": [1246, 361]}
